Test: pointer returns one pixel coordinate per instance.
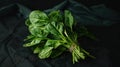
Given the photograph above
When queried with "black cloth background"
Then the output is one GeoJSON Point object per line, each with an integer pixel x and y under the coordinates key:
{"type": "Point", "coordinates": [13, 31]}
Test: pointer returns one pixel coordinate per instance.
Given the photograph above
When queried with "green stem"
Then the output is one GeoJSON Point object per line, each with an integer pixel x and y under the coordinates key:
{"type": "Point", "coordinates": [88, 53]}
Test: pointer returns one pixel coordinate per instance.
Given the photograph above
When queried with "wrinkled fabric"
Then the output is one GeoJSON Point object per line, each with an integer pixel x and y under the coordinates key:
{"type": "Point", "coordinates": [13, 31]}
{"type": "Point", "coordinates": [98, 15]}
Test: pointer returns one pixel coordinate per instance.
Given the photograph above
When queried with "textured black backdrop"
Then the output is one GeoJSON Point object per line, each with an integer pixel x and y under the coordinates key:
{"type": "Point", "coordinates": [109, 35]}
{"type": "Point", "coordinates": [44, 4]}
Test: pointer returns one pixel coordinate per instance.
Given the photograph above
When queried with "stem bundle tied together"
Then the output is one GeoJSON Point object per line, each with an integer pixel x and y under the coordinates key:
{"type": "Point", "coordinates": [52, 34]}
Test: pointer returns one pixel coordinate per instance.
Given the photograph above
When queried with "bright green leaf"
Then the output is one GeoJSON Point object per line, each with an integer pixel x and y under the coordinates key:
{"type": "Point", "coordinates": [37, 50]}
{"type": "Point", "coordinates": [45, 53]}
{"type": "Point", "coordinates": [33, 42]}
{"type": "Point", "coordinates": [38, 31]}
{"type": "Point", "coordinates": [38, 17]}
{"type": "Point", "coordinates": [52, 29]}
{"type": "Point", "coordinates": [53, 43]}
{"type": "Point", "coordinates": [29, 37]}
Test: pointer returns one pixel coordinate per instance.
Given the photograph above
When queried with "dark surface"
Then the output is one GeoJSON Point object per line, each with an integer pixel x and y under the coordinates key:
{"type": "Point", "coordinates": [45, 4]}
{"type": "Point", "coordinates": [37, 4]}
{"type": "Point", "coordinates": [13, 31]}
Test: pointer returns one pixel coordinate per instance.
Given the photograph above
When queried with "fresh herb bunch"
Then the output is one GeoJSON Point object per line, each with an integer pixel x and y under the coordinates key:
{"type": "Point", "coordinates": [52, 34]}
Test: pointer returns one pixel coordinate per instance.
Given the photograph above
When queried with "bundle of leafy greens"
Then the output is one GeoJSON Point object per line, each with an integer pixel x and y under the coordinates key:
{"type": "Point", "coordinates": [52, 34]}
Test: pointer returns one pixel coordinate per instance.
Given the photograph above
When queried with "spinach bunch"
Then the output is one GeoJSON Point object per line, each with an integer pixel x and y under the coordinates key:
{"type": "Point", "coordinates": [52, 34]}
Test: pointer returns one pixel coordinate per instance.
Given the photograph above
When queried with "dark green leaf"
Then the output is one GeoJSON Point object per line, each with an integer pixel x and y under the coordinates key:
{"type": "Point", "coordinates": [60, 27]}
{"type": "Point", "coordinates": [55, 16]}
{"type": "Point", "coordinates": [69, 21]}
{"type": "Point", "coordinates": [58, 51]}
{"type": "Point", "coordinates": [27, 22]}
